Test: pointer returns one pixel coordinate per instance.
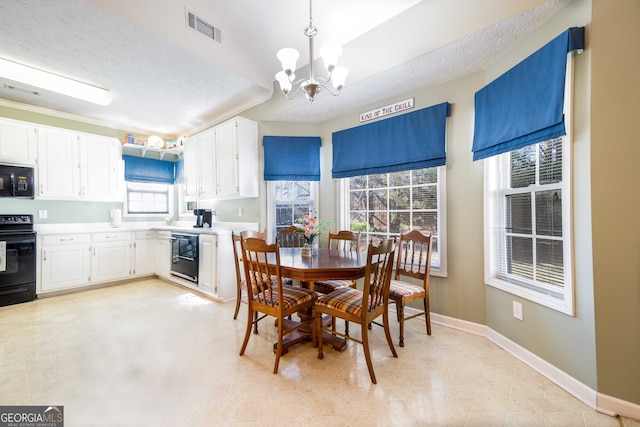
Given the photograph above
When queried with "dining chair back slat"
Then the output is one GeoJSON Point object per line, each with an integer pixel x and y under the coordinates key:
{"type": "Point", "coordinates": [291, 237]}
{"type": "Point", "coordinates": [344, 240]}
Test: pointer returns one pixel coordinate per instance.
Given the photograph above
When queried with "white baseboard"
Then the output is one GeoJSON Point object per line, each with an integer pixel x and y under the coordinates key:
{"type": "Point", "coordinates": [608, 404]}
{"type": "Point", "coordinates": [598, 401]}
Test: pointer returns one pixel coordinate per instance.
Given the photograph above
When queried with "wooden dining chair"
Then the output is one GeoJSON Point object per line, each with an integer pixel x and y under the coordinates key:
{"type": "Point", "coordinates": [361, 307]}
{"type": "Point", "coordinates": [290, 237]}
{"type": "Point", "coordinates": [241, 285]}
{"type": "Point", "coordinates": [268, 296]}
{"type": "Point", "coordinates": [413, 261]}
{"type": "Point", "coordinates": [344, 240]}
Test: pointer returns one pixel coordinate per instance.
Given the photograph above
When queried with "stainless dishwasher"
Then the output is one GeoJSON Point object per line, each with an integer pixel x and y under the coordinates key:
{"type": "Point", "coordinates": [184, 256]}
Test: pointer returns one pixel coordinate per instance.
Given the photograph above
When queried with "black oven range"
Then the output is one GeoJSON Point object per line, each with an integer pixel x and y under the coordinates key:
{"type": "Point", "coordinates": [17, 259]}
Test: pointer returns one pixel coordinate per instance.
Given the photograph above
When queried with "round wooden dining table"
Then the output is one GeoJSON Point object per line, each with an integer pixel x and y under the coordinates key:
{"type": "Point", "coordinates": [328, 264]}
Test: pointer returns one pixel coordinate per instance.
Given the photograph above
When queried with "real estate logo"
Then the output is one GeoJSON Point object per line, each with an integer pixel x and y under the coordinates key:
{"type": "Point", "coordinates": [31, 416]}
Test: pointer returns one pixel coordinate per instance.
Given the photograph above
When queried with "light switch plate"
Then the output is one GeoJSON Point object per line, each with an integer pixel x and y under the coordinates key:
{"type": "Point", "coordinates": [42, 214]}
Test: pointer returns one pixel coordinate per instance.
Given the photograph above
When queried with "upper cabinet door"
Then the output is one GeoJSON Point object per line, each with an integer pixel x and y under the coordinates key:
{"type": "Point", "coordinates": [18, 143]}
{"type": "Point", "coordinates": [191, 167]}
{"type": "Point", "coordinates": [100, 168]}
{"type": "Point", "coordinates": [226, 160]}
{"type": "Point", "coordinates": [58, 164]}
{"type": "Point", "coordinates": [206, 165]}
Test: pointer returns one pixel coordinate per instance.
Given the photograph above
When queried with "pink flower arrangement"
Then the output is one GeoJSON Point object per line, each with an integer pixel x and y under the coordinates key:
{"type": "Point", "coordinates": [312, 228]}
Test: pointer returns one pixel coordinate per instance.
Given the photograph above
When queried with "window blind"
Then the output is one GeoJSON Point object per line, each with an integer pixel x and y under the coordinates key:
{"type": "Point", "coordinates": [140, 169]}
{"type": "Point", "coordinates": [410, 141]}
{"type": "Point", "coordinates": [524, 106]}
{"type": "Point", "coordinates": [291, 158]}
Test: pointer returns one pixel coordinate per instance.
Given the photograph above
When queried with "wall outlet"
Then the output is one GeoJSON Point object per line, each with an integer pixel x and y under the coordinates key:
{"type": "Point", "coordinates": [517, 310]}
{"type": "Point", "coordinates": [42, 214]}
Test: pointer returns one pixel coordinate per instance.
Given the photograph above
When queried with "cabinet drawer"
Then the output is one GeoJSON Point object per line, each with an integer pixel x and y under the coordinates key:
{"type": "Point", "coordinates": [145, 235]}
{"type": "Point", "coordinates": [65, 239]}
{"type": "Point", "coordinates": [114, 236]}
{"type": "Point", "coordinates": [163, 235]}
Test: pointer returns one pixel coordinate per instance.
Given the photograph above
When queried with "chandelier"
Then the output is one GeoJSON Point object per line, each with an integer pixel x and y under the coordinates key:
{"type": "Point", "coordinates": [311, 86]}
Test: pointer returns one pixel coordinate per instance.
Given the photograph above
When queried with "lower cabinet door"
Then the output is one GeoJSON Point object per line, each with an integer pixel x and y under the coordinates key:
{"type": "Point", "coordinates": [111, 261]}
{"type": "Point", "coordinates": [207, 278]}
{"type": "Point", "coordinates": [65, 267]}
{"type": "Point", "coordinates": [143, 257]}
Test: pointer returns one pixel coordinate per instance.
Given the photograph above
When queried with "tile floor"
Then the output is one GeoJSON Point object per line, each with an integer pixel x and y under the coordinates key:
{"type": "Point", "coordinates": [153, 354]}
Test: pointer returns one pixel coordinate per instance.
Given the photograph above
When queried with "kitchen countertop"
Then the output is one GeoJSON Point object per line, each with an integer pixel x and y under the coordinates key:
{"type": "Point", "coordinates": [218, 228]}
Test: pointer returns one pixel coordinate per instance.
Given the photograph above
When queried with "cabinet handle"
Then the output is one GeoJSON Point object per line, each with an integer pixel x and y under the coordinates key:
{"type": "Point", "coordinates": [67, 240]}
{"type": "Point", "coordinates": [45, 255]}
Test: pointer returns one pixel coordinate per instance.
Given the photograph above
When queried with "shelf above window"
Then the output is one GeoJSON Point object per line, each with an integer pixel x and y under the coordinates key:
{"type": "Point", "coordinates": [172, 155]}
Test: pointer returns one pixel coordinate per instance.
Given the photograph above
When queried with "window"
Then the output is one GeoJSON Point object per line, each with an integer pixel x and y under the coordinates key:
{"type": "Point", "coordinates": [148, 199]}
{"type": "Point", "coordinates": [288, 202]}
{"type": "Point", "coordinates": [385, 205]}
{"type": "Point", "coordinates": [528, 215]}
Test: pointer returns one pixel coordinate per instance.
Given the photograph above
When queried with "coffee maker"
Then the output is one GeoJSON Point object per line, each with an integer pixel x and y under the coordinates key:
{"type": "Point", "coordinates": [203, 218]}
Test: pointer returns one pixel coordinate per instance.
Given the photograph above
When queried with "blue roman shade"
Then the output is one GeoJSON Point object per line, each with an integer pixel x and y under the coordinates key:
{"type": "Point", "coordinates": [410, 141]}
{"type": "Point", "coordinates": [140, 169]}
{"type": "Point", "coordinates": [180, 178]}
{"type": "Point", "coordinates": [291, 158]}
{"type": "Point", "coordinates": [525, 105]}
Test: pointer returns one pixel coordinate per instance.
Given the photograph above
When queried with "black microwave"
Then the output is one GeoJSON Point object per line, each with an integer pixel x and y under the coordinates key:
{"type": "Point", "coordinates": [16, 181]}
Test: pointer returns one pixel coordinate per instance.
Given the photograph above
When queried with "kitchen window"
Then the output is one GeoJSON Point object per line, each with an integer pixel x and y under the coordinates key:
{"type": "Point", "coordinates": [288, 202]}
{"type": "Point", "coordinates": [528, 223]}
{"type": "Point", "coordinates": [148, 199]}
{"type": "Point", "coordinates": [386, 205]}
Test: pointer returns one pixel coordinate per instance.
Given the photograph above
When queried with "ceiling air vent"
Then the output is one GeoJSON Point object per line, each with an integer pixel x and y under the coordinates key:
{"type": "Point", "coordinates": [203, 27]}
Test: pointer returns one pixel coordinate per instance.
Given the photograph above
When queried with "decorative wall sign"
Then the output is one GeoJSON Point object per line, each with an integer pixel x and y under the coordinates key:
{"type": "Point", "coordinates": [407, 104]}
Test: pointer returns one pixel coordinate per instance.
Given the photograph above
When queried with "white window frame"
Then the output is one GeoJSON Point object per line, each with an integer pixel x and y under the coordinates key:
{"type": "Point", "coordinates": [143, 214]}
{"type": "Point", "coordinates": [271, 204]}
{"type": "Point", "coordinates": [441, 271]}
{"type": "Point", "coordinates": [494, 195]}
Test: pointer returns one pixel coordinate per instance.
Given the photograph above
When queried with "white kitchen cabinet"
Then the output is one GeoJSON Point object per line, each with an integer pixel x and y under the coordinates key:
{"type": "Point", "coordinates": [237, 159]}
{"type": "Point", "coordinates": [222, 162]}
{"type": "Point", "coordinates": [199, 166]}
{"type": "Point", "coordinates": [100, 168]}
{"type": "Point", "coordinates": [77, 166]}
{"type": "Point", "coordinates": [163, 254]}
{"type": "Point", "coordinates": [65, 261]}
{"type": "Point", "coordinates": [111, 258]}
{"type": "Point", "coordinates": [208, 265]}
{"type": "Point", "coordinates": [144, 252]}
{"type": "Point", "coordinates": [58, 164]}
{"type": "Point", "coordinates": [18, 143]}
{"type": "Point", "coordinates": [226, 268]}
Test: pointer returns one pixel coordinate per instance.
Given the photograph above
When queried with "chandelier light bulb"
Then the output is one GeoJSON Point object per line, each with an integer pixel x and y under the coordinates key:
{"type": "Point", "coordinates": [285, 81]}
{"type": "Point", "coordinates": [330, 54]}
{"type": "Point", "coordinates": [339, 77]}
{"type": "Point", "coordinates": [288, 57]}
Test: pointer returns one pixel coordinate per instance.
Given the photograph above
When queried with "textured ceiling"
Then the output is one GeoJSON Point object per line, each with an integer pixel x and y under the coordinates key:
{"type": "Point", "coordinates": [170, 80]}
